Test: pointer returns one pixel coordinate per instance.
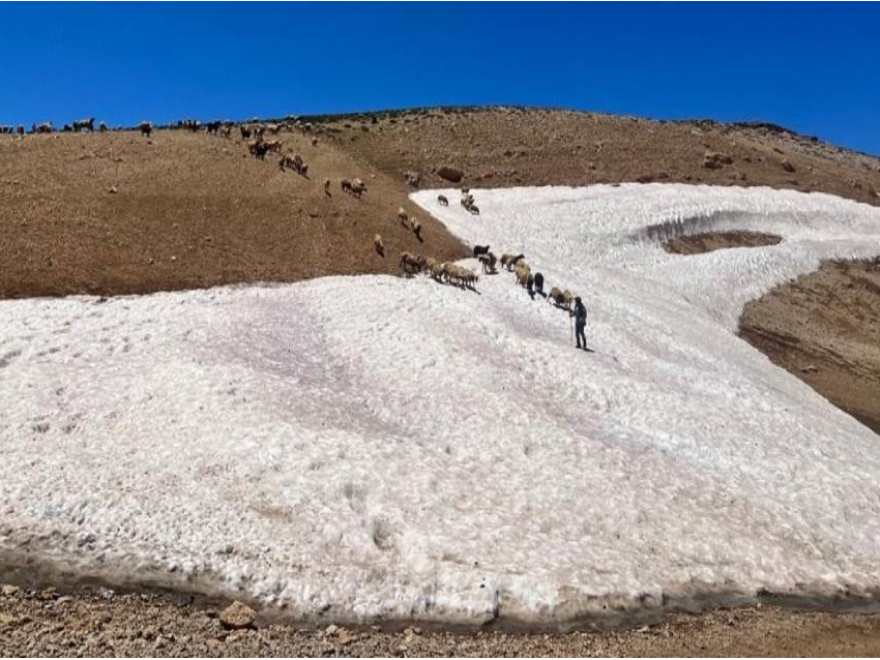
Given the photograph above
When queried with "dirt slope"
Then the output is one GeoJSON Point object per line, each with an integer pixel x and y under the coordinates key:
{"type": "Point", "coordinates": [188, 211]}
{"type": "Point", "coordinates": [509, 146]}
{"type": "Point", "coordinates": [193, 210]}
{"type": "Point", "coordinates": [825, 328]}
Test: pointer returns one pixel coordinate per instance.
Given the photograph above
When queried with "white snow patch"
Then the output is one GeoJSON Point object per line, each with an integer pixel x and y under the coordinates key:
{"type": "Point", "coordinates": [376, 447]}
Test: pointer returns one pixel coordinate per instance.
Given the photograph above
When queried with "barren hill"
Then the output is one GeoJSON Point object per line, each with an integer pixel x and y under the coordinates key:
{"type": "Point", "coordinates": [118, 213]}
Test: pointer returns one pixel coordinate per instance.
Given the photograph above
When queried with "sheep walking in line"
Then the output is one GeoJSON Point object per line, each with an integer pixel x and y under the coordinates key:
{"type": "Point", "coordinates": [327, 188]}
{"type": "Point", "coordinates": [488, 261]}
{"type": "Point", "coordinates": [523, 273]}
{"type": "Point", "coordinates": [441, 199]}
{"type": "Point", "coordinates": [378, 245]}
{"type": "Point", "coordinates": [509, 261]}
{"type": "Point", "coordinates": [345, 185]}
{"type": "Point", "coordinates": [410, 263]}
{"type": "Point", "coordinates": [403, 217]}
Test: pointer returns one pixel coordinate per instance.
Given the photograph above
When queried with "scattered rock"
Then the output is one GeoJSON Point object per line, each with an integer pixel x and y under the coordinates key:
{"type": "Point", "coordinates": [451, 174]}
{"type": "Point", "coordinates": [238, 616]}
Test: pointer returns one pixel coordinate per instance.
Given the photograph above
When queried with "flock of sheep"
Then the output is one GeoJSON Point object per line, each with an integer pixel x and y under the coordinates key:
{"type": "Point", "coordinates": [259, 146]}
{"type": "Point", "coordinates": [450, 273]}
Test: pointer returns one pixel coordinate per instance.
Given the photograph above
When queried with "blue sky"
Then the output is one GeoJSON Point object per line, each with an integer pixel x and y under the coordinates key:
{"type": "Point", "coordinates": [813, 67]}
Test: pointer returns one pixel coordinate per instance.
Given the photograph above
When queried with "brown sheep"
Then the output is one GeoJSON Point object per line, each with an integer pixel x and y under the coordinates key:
{"type": "Point", "coordinates": [379, 245]}
{"type": "Point", "coordinates": [345, 185]}
{"type": "Point", "coordinates": [522, 274]}
{"type": "Point", "coordinates": [416, 228]}
{"type": "Point", "coordinates": [410, 263]}
{"type": "Point", "coordinates": [403, 217]}
{"type": "Point", "coordinates": [146, 128]}
{"type": "Point", "coordinates": [102, 127]}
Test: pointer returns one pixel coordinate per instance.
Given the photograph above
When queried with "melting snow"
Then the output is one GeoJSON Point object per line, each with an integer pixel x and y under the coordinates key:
{"type": "Point", "coordinates": [377, 447]}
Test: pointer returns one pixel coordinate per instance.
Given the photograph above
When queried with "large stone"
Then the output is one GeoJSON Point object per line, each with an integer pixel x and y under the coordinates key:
{"type": "Point", "coordinates": [238, 616]}
{"type": "Point", "coordinates": [451, 174]}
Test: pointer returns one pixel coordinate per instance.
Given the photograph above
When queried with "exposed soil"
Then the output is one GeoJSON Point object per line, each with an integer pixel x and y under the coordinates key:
{"type": "Point", "coordinates": [502, 147]}
{"type": "Point", "coordinates": [100, 623]}
{"type": "Point", "coordinates": [719, 240]}
{"type": "Point", "coordinates": [825, 329]}
{"type": "Point", "coordinates": [193, 210]}
{"type": "Point", "coordinates": [189, 211]}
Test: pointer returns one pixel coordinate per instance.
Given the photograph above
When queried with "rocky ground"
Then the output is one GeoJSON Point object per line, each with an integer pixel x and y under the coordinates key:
{"type": "Point", "coordinates": [99, 623]}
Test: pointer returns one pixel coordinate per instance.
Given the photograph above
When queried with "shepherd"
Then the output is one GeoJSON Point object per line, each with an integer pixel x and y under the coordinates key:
{"type": "Point", "coordinates": [580, 323]}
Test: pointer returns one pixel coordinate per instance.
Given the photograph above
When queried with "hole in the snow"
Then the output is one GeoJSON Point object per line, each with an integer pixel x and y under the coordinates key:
{"type": "Point", "coordinates": [719, 240]}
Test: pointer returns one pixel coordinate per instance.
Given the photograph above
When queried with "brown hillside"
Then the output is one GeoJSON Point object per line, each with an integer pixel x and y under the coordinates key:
{"type": "Point", "coordinates": [193, 210]}
{"type": "Point", "coordinates": [188, 211]}
{"type": "Point", "coordinates": [507, 147]}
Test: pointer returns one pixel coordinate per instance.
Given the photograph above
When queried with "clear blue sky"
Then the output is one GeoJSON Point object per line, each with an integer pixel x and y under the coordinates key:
{"type": "Point", "coordinates": [813, 67]}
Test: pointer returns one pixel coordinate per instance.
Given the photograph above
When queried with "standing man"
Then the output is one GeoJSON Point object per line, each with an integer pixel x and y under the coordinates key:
{"type": "Point", "coordinates": [580, 322]}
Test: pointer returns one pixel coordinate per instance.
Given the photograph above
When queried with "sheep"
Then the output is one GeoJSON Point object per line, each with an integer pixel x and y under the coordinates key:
{"type": "Point", "coordinates": [481, 249]}
{"type": "Point", "coordinates": [226, 131]}
{"type": "Point", "coordinates": [213, 127]}
{"type": "Point", "coordinates": [410, 263]}
{"type": "Point", "coordinates": [509, 261]}
{"type": "Point", "coordinates": [523, 272]}
{"type": "Point", "coordinates": [102, 127]}
{"type": "Point", "coordinates": [460, 276]}
{"type": "Point", "coordinates": [403, 217]}
{"type": "Point", "coordinates": [473, 209]}
{"type": "Point", "coordinates": [20, 130]}
{"type": "Point", "coordinates": [258, 148]}
{"type": "Point", "coordinates": [488, 261]}
{"type": "Point", "coordinates": [416, 228]}
{"type": "Point", "coordinates": [345, 185]}
{"type": "Point", "coordinates": [358, 187]}
{"type": "Point", "coordinates": [379, 245]}
{"type": "Point", "coordinates": [273, 145]}
{"type": "Point", "coordinates": [88, 124]}
{"type": "Point", "coordinates": [327, 188]}
{"type": "Point", "coordinates": [146, 128]}
{"type": "Point", "coordinates": [560, 298]}
{"type": "Point", "coordinates": [438, 270]}
{"type": "Point", "coordinates": [539, 283]}
{"type": "Point", "coordinates": [430, 263]}
{"type": "Point", "coordinates": [441, 199]}
{"type": "Point", "coordinates": [245, 132]}
{"type": "Point", "coordinates": [45, 127]}
{"type": "Point", "coordinates": [469, 278]}
{"type": "Point", "coordinates": [296, 164]}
